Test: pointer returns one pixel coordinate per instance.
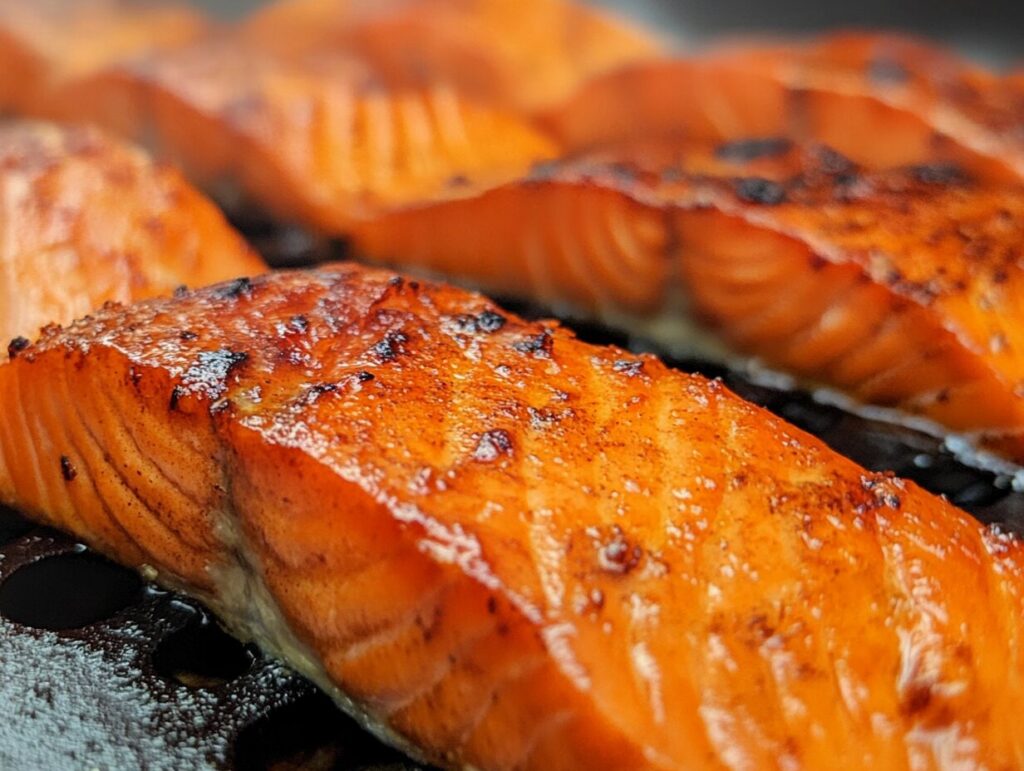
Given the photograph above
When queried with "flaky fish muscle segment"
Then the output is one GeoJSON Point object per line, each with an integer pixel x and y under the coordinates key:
{"type": "Point", "coordinates": [901, 289]}
{"type": "Point", "coordinates": [504, 548]}
{"type": "Point", "coordinates": [322, 142]}
{"type": "Point", "coordinates": [522, 54]}
{"type": "Point", "coordinates": [45, 44]}
{"type": "Point", "coordinates": [86, 219]}
{"type": "Point", "coordinates": [845, 90]}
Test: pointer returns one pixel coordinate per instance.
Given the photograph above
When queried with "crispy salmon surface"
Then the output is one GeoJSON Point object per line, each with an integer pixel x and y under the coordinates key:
{"type": "Point", "coordinates": [901, 288]}
{"type": "Point", "coordinates": [510, 549]}
{"type": "Point", "coordinates": [45, 44]}
{"type": "Point", "coordinates": [85, 219]}
{"type": "Point", "coordinates": [882, 100]}
{"type": "Point", "coordinates": [519, 53]}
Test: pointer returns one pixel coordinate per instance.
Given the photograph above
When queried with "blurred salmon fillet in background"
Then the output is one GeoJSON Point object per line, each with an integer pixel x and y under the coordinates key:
{"type": "Point", "coordinates": [519, 54]}
{"type": "Point", "coordinates": [45, 44]}
{"type": "Point", "coordinates": [85, 220]}
{"type": "Point", "coordinates": [881, 100]}
{"type": "Point", "coordinates": [323, 143]}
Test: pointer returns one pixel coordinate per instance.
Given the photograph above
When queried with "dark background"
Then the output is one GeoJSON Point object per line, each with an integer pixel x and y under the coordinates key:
{"type": "Point", "coordinates": [991, 31]}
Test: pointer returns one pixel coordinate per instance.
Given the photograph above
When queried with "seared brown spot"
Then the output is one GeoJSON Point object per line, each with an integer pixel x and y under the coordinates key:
{"type": "Point", "coordinates": [390, 347]}
{"type": "Point", "coordinates": [939, 174]}
{"type": "Point", "coordinates": [176, 393]}
{"type": "Point", "coordinates": [916, 700]}
{"type": "Point", "coordinates": [754, 148]}
{"type": "Point", "coordinates": [17, 345]}
{"type": "Point", "coordinates": [619, 555]}
{"type": "Point", "coordinates": [538, 345]}
{"type": "Point", "coordinates": [629, 367]}
{"type": "Point", "coordinates": [486, 321]}
{"type": "Point", "coordinates": [492, 445]}
{"type": "Point", "coordinates": [67, 469]}
{"type": "Point", "coordinates": [760, 191]}
{"type": "Point", "coordinates": [833, 162]}
{"type": "Point", "coordinates": [240, 287]}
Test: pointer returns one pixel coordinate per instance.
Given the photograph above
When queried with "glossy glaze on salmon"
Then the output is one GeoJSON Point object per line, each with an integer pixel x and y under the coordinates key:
{"type": "Point", "coordinates": [902, 289]}
{"type": "Point", "coordinates": [85, 219]}
{"type": "Point", "coordinates": [47, 44]}
{"type": "Point", "coordinates": [848, 91]}
{"type": "Point", "coordinates": [520, 53]}
{"type": "Point", "coordinates": [506, 548]}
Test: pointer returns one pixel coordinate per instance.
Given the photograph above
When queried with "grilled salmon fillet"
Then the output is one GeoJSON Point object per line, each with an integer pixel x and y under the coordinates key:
{"type": "Point", "coordinates": [505, 548]}
{"type": "Point", "coordinates": [520, 53]}
{"type": "Point", "coordinates": [324, 141]}
{"type": "Point", "coordinates": [899, 288]}
{"type": "Point", "coordinates": [85, 219]}
{"type": "Point", "coordinates": [845, 90]}
{"type": "Point", "coordinates": [46, 44]}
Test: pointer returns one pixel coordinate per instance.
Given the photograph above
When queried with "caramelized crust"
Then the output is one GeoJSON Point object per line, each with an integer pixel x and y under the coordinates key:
{"type": "Point", "coordinates": [513, 549]}
{"type": "Point", "coordinates": [85, 220]}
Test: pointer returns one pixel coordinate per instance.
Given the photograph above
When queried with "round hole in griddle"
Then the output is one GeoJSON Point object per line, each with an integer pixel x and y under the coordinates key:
{"type": "Point", "coordinates": [68, 591]}
{"type": "Point", "coordinates": [311, 733]}
{"type": "Point", "coordinates": [202, 655]}
{"type": "Point", "coordinates": [12, 525]}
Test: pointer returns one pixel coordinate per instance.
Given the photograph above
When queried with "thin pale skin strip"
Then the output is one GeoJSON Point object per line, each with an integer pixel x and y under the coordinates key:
{"type": "Point", "coordinates": [342, 477]}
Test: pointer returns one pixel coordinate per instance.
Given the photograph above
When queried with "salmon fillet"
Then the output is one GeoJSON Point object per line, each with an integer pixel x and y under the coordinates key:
{"type": "Point", "coordinates": [519, 53]}
{"type": "Point", "coordinates": [505, 548]}
{"type": "Point", "coordinates": [45, 44]}
{"type": "Point", "coordinates": [85, 220]}
{"type": "Point", "coordinates": [845, 90]}
{"type": "Point", "coordinates": [323, 142]}
{"type": "Point", "coordinates": [899, 288]}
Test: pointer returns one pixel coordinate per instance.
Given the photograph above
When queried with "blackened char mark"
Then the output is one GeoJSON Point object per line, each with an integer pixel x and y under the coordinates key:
{"type": "Point", "coordinates": [16, 346]}
{"type": "Point", "coordinates": [390, 347]}
{"type": "Point", "coordinates": [539, 345]}
{"type": "Point", "coordinates": [487, 321]}
{"type": "Point", "coordinates": [208, 374]}
{"type": "Point", "coordinates": [492, 445]}
{"type": "Point", "coordinates": [742, 150]}
{"type": "Point", "coordinates": [67, 469]}
{"type": "Point", "coordinates": [939, 174]}
{"type": "Point", "coordinates": [240, 287]}
{"type": "Point", "coordinates": [629, 367]}
{"type": "Point", "coordinates": [760, 191]}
